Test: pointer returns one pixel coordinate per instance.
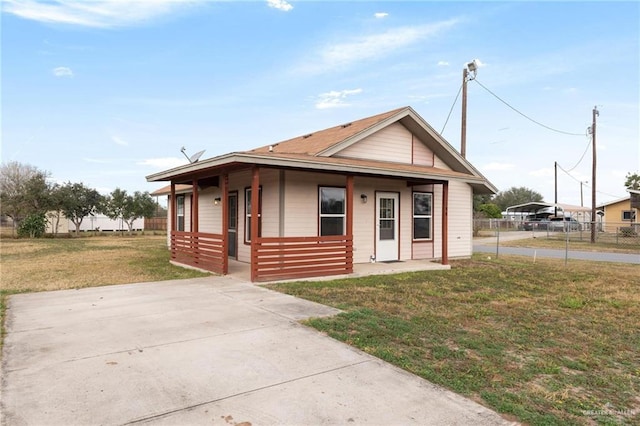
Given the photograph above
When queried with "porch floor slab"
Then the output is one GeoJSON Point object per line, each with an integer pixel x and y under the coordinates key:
{"type": "Point", "coordinates": [242, 271]}
{"type": "Point", "coordinates": [212, 350]}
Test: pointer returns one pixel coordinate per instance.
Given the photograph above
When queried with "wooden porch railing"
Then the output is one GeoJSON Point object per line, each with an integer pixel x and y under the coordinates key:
{"type": "Point", "coordinates": [200, 250]}
{"type": "Point", "coordinates": [300, 257]}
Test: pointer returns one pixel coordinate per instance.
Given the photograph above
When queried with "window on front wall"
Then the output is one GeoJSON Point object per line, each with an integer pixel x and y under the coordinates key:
{"type": "Point", "coordinates": [628, 215]}
{"type": "Point", "coordinates": [248, 211]}
{"type": "Point", "coordinates": [422, 215]}
{"type": "Point", "coordinates": [180, 212]}
{"type": "Point", "coordinates": [332, 211]}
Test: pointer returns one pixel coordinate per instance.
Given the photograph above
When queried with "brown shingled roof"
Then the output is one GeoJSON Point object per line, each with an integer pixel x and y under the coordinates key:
{"type": "Point", "coordinates": [317, 142]}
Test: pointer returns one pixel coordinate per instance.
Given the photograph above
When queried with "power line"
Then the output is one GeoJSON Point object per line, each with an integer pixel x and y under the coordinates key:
{"type": "Point", "coordinates": [524, 115]}
{"type": "Point", "coordinates": [452, 105]}
{"type": "Point", "coordinates": [581, 158]}
{"type": "Point", "coordinates": [586, 184]}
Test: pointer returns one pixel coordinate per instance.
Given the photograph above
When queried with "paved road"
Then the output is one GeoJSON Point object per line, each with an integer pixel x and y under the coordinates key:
{"type": "Point", "coordinates": [213, 351]}
{"type": "Point", "coordinates": [559, 254]}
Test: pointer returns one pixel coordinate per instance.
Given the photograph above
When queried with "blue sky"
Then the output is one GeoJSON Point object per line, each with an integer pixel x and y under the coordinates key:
{"type": "Point", "coordinates": [107, 92]}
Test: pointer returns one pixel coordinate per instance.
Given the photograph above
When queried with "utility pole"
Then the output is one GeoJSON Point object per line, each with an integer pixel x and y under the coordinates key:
{"type": "Point", "coordinates": [593, 176]}
{"type": "Point", "coordinates": [555, 188]}
{"type": "Point", "coordinates": [466, 76]}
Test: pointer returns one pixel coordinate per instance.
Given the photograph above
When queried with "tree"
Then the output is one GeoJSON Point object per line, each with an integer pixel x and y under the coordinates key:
{"type": "Point", "coordinates": [56, 205]}
{"type": "Point", "coordinates": [479, 200]}
{"type": "Point", "coordinates": [632, 181]}
{"type": "Point", "coordinates": [78, 202]}
{"type": "Point", "coordinates": [120, 205]}
{"type": "Point", "coordinates": [490, 210]}
{"type": "Point", "coordinates": [514, 196]}
{"type": "Point", "coordinates": [24, 191]}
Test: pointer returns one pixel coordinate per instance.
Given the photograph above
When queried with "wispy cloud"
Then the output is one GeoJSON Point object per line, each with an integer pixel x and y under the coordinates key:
{"type": "Point", "coordinates": [280, 5]}
{"type": "Point", "coordinates": [97, 13]}
{"type": "Point", "coordinates": [547, 172]}
{"type": "Point", "coordinates": [335, 99]}
{"type": "Point", "coordinates": [163, 163]}
{"type": "Point", "coordinates": [443, 63]}
{"type": "Point", "coordinates": [342, 55]}
{"type": "Point", "coordinates": [119, 141]}
{"type": "Point", "coordinates": [381, 15]}
{"type": "Point", "coordinates": [62, 72]}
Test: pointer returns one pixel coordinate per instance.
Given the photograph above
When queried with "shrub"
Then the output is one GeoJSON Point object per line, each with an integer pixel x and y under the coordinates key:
{"type": "Point", "coordinates": [33, 226]}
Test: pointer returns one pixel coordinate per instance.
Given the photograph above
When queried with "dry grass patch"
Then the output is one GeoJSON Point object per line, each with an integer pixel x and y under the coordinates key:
{"type": "Point", "coordinates": [56, 264]}
{"type": "Point", "coordinates": [546, 343]}
{"type": "Point", "coordinates": [558, 242]}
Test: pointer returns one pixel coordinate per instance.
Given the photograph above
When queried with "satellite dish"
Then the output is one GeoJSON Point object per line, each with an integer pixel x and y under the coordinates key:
{"type": "Point", "coordinates": [195, 157]}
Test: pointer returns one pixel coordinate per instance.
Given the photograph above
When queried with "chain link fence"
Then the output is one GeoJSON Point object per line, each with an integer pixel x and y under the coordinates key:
{"type": "Point", "coordinates": [615, 233]}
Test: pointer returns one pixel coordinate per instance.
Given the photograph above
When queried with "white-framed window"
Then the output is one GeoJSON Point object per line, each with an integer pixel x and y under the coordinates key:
{"type": "Point", "coordinates": [422, 215]}
{"type": "Point", "coordinates": [180, 212]}
{"type": "Point", "coordinates": [248, 210]}
{"type": "Point", "coordinates": [628, 215]}
{"type": "Point", "coordinates": [332, 210]}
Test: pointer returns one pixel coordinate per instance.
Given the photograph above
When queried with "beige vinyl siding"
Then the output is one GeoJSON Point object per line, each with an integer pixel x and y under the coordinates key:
{"type": "Point", "coordinates": [301, 201]}
{"type": "Point", "coordinates": [460, 219]}
{"type": "Point", "coordinates": [210, 217]}
{"type": "Point", "coordinates": [393, 143]}
{"type": "Point", "coordinates": [422, 155]}
{"type": "Point", "coordinates": [437, 162]}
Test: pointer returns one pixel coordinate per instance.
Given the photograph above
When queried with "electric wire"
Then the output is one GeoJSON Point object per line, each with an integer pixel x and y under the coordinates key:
{"type": "Point", "coordinates": [524, 115]}
{"type": "Point", "coordinates": [450, 110]}
{"type": "Point", "coordinates": [586, 184]}
{"type": "Point", "coordinates": [581, 158]}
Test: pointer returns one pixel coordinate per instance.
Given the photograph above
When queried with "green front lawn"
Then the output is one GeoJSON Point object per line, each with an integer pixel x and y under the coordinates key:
{"type": "Point", "coordinates": [543, 343]}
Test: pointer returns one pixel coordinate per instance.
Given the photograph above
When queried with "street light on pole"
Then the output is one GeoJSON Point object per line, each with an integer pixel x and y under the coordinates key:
{"type": "Point", "coordinates": [468, 73]}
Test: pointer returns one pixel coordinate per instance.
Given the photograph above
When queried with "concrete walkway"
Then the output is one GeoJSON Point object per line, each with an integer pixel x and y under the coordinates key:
{"type": "Point", "coordinates": [215, 351]}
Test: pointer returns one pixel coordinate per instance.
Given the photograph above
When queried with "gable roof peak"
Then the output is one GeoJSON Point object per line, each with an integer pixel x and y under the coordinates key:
{"type": "Point", "coordinates": [316, 143]}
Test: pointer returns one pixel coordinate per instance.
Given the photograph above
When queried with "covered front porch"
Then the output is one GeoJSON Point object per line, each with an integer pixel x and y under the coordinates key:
{"type": "Point", "coordinates": [281, 256]}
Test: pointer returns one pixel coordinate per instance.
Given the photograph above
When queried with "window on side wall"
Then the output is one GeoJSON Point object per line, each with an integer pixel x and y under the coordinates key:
{"type": "Point", "coordinates": [628, 215]}
{"type": "Point", "coordinates": [332, 215]}
{"type": "Point", "coordinates": [248, 210]}
{"type": "Point", "coordinates": [422, 215]}
{"type": "Point", "coordinates": [180, 212]}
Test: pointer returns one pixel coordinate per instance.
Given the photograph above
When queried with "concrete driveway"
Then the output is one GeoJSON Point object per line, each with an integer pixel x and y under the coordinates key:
{"type": "Point", "coordinates": [212, 351]}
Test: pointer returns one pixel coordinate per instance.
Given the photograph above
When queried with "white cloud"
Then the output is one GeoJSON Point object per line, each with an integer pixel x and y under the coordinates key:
{"type": "Point", "coordinates": [97, 13]}
{"type": "Point", "coordinates": [280, 5]}
{"type": "Point", "coordinates": [381, 15]}
{"type": "Point", "coordinates": [119, 141]}
{"type": "Point", "coordinates": [335, 99]}
{"type": "Point", "coordinates": [62, 72]}
{"type": "Point", "coordinates": [443, 63]}
{"type": "Point", "coordinates": [371, 47]}
{"type": "Point", "coordinates": [163, 163]}
{"type": "Point", "coordinates": [499, 166]}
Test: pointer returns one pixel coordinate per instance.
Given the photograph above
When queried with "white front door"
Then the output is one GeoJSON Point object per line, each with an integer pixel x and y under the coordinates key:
{"type": "Point", "coordinates": [387, 226]}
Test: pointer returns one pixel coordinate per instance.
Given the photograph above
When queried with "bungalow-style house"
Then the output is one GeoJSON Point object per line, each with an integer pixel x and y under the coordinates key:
{"type": "Point", "coordinates": [620, 213]}
{"type": "Point", "coordinates": [381, 189]}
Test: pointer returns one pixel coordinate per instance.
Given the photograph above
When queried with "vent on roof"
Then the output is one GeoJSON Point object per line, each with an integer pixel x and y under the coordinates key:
{"type": "Point", "coordinates": [307, 136]}
{"type": "Point", "coordinates": [344, 126]}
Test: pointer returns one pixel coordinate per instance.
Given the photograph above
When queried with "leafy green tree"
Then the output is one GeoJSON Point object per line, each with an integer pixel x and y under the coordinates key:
{"type": "Point", "coordinates": [632, 181]}
{"type": "Point", "coordinates": [33, 226]}
{"type": "Point", "coordinates": [514, 196]}
{"type": "Point", "coordinates": [479, 200]}
{"type": "Point", "coordinates": [490, 210]}
{"type": "Point", "coordinates": [56, 205]}
{"type": "Point", "coordinates": [120, 205]}
{"type": "Point", "coordinates": [78, 202]}
{"type": "Point", "coordinates": [24, 190]}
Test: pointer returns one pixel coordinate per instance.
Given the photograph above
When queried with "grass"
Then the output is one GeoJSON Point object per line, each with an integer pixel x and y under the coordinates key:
{"type": "Point", "coordinates": [71, 263]}
{"type": "Point", "coordinates": [543, 343]}
{"type": "Point", "coordinates": [558, 242]}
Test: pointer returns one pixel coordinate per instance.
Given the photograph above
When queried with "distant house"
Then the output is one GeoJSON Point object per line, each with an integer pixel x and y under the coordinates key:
{"type": "Point", "coordinates": [619, 213]}
{"type": "Point", "coordinates": [94, 223]}
{"type": "Point", "coordinates": [385, 188]}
